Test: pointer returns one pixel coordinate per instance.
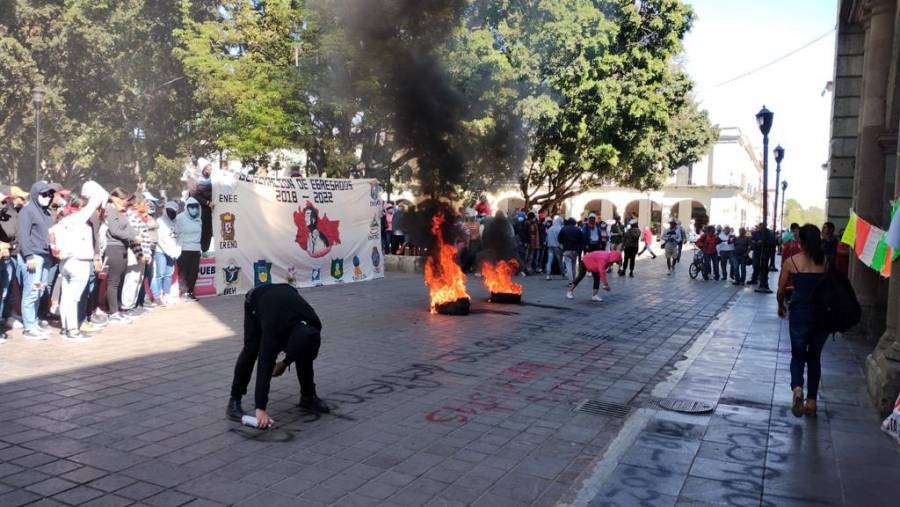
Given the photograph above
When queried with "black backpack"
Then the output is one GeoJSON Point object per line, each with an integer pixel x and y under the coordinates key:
{"type": "Point", "coordinates": [835, 308]}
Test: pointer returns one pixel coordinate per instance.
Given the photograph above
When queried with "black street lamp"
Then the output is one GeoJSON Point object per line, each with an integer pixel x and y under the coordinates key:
{"type": "Point", "coordinates": [37, 96]}
{"type": "Point", "coordinates": [783, 191]}
{"type": "Point", "coordinates": [779, 156]}
{"type": "Point", "coordinates": [764, 120]}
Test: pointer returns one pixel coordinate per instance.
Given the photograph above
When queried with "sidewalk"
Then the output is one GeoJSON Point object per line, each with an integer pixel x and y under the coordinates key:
{"type": "Point", "coordinates": [751, 450]}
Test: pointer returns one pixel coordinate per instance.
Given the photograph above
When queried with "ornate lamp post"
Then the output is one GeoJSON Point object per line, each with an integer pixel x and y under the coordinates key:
{"type": "Point", "coordinates": [37, 96]}
{"type": "Point", "coordinates": [764, 120]}
{"type": "Point", "coordinates": [783, 191]}
{"type": "Point", "coordinates": [779, 156]}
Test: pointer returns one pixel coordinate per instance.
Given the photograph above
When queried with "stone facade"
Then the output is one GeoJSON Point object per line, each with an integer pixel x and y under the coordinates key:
{"type": "Point", "coordinates": [863, 167]}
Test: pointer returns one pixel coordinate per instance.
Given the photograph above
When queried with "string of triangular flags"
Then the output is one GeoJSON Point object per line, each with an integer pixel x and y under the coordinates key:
{"type": "Point", "coordinates": [874, 247]}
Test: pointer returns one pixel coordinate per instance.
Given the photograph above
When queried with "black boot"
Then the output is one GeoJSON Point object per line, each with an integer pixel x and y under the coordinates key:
{"type": "Point", "coordinates": [314, 404]}
{"type": "Point", "coordinates": [234, 410]}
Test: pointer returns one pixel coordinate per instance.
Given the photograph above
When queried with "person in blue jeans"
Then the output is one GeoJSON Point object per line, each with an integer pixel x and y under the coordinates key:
{"type": "Point", "coordinates": [32, 231]}
{"type": "Point", "coordinates": [167, 250]}
{"type": "Point", "coordinates": [804, 269]}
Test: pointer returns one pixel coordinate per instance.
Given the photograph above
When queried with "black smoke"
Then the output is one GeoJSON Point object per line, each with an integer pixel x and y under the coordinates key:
{"type": "Point", "coordinates": [400, 41]}
{"type": "Point", "coordinates": [498, 241]}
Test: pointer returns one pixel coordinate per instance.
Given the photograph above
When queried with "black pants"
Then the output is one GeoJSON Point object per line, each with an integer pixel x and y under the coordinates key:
{"type": "Point", "coordinates": [757, 265]}
{"type": "Point", "coordinates": [724, 262]}
{"type": "Point", "coordinates": [117, 263]}
{"type": "Point", "coordinates": [189, 268]}
{"type": "Point", "coordinates": [582, 272]}
{"type": "Point", "coordinates": [396, 243]}
{"type": "Point", "coordinates": [243, 370]}
{"type": "Point", "coordinates": [630, 254]}
{"type": "Point", "coordinates": [205, 227]}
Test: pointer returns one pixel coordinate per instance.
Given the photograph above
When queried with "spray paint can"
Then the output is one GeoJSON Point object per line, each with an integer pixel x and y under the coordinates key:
{"type": "Point", "coordinates": [249, 420]}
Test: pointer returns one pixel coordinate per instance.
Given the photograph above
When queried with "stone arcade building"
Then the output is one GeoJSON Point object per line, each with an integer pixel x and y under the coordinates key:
{"type": "Point", "coordinates": [862, 168]}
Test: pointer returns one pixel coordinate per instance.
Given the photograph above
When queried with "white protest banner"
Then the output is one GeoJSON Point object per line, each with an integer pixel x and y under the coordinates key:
{"type": "Point", "coordinates": [302, 231]}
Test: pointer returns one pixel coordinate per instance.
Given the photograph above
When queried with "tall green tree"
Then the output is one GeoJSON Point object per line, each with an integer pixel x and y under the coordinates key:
{"type": "Point", "coordinates": [118, 106]}
{"type": "Point", "coordinates": [600, 95]}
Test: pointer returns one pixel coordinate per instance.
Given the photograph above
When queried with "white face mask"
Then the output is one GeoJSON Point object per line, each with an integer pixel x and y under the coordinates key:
{"type": "Point", "coordinates": [44, 201]}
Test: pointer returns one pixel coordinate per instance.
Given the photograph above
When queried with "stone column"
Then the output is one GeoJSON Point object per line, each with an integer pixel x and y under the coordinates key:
{"type": "Point", "coordinates": [883, 364]}
{"type": "Point", "coordinates": [868, 182]}
{"type": "Point", "coordinates": [643, 212]}
{"type": "Point", "coordinates": [685, 208]}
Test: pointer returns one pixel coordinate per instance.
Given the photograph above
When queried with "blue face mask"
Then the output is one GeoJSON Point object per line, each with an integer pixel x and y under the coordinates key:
{"type": "Point", "coordinates": [193, 211]}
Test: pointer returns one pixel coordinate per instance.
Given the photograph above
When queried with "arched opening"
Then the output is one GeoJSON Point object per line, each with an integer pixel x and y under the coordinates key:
{"type": "Point", "coordinates": [603, 208]}
{"type": "Point", "coordinates": [693, 214]}
{"type": "Point", "coordinates": [633, 211]}
{"type": "Point", "coordinates": [509, 205]}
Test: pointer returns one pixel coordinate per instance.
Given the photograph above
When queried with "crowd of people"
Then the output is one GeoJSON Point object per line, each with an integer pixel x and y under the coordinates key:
{"type": "Point", "coordinates": [87, 259]}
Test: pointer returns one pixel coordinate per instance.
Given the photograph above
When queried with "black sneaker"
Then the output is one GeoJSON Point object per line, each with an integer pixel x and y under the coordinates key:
{"type": "Point", "coordinates": [314, 404]}
{"type": "Point", "coordinates": [234, 410]}
{"type": "Point", "coordinates": [631, 274]}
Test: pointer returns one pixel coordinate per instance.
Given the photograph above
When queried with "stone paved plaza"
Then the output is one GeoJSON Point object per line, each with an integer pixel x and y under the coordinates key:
{"type": "Point", "coordinates": [444, 411]}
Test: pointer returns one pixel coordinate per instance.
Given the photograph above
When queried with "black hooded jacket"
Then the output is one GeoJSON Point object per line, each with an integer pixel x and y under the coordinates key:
{"type": "Point", "coordinates": [34, 222]}
{"type": "Point", "coordinates": [271, 314]}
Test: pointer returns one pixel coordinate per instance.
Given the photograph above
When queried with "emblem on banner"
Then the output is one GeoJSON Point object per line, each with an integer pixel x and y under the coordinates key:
{"type": "Point", "coordinates": [230, 273]}
{"type": "Point", "coordinates": [337, 269]}
{"type": "Point", "coordinates": [292, 276]}
{"type": "Point", "coordinates": [316, 276]}
{"type": "Point", "coordinates": [376, 260]}
{"type": "Point", "coordinates": [227, 222]}
{"type": "Point", "coordinates": [374, 229]}
{"type": "Point", "coordinates": [316, 234]}
{"type": "Point", "coordinates": [262, 271]}
{"type": "Point", "coordinates": [357, 270]}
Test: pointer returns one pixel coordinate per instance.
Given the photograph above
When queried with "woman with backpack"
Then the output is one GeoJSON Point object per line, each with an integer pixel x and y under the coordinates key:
{"type": "Point", "coordinates": [806, 269]}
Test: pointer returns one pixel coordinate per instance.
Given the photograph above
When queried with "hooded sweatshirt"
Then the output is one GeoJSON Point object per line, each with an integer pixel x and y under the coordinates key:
{"type": "Point", "coordinates": [597, 261]}
{"type": "Point", "coordinates": [34, 222]}
{"type": "Point", "coordinates": [189, 229]}
{"type": "Point", "coordinates": [74, 236]}
{"type": "Point", "coordinates": [553, 232]}
{"type": "Point", "coordinates": [168, 242]}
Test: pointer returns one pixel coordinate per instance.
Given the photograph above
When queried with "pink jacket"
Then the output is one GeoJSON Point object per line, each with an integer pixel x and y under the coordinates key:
{"type": "Point", "coordinates": [648, 235]}
{"type": "Point", "coordinates": [597, 262]}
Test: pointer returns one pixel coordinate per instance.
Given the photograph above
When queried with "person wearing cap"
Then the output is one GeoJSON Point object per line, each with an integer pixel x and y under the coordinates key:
{"type": "Point", "coordinates": [32, 230]}
{"type": "Point", "coordinates": [672, 240]}
{"type": "Point", "coordinates": [595, 235]}
{"type": "Point", "coordinates": [203, 194]}
{"type": "Point", "coordinates": [596, 263]}
{"type": "Point", "coordinates": [276, 319]}
{"type": "Point", "coordinates": [121, 236]}
{"type": "Point", "coordinates": [167, 251]}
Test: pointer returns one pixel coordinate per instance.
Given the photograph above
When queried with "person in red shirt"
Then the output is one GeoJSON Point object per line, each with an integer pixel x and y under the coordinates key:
{"type": "Point", "coordinates": [596, 262]}
{"type": "Point", "coordinates": [707, 244]}
{"type": "Point", "coordinates": [482, 207]}
{"type": "Point", "coordinates": [792, 245]}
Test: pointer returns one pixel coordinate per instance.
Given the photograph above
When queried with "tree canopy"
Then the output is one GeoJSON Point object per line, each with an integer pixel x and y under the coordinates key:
{"type": "Point", "coordinates": [455, 97]}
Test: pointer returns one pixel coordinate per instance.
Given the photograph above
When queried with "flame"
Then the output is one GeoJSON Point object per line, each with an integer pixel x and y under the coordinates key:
{"type": "Point", "coordinates": [498, 277]}
{"type": "Point", "coordinates": [445, 280]}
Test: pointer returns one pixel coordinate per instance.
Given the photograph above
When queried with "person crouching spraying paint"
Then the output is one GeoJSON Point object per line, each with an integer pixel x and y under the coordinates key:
{"type": "Point", "coordinates": [596, 263]}
{"type": "Point", "coordinates": [276, 319]}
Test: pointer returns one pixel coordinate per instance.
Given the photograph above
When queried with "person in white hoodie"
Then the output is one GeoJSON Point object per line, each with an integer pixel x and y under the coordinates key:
{"type": "Point", "coordinates": [189, 228]}
{"type": "Point", "coordinates": [167, 251]}
{"type": "Point", "coordinates": [73, 239]}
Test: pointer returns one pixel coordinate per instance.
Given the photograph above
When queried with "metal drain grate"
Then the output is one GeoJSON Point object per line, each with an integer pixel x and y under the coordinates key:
{"type": "Point", "coordinates": [606, 408]}
{"type": "Point", "coordinates": [686, 406]}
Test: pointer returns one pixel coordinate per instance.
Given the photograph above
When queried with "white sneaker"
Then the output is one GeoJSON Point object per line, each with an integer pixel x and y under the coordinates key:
{"type": "Point", "coordinates": [597, 299]}
{"type": "Point", "coordinates": [548, 277]}
{"type": "Point", "coordinates": [118, 318]}
{"type": "Point", "coordinates": [34, 334]}
{"type": "Point", "coordinates": [570, 295]}
{"type": "Point", "coordinates": [76, 336]}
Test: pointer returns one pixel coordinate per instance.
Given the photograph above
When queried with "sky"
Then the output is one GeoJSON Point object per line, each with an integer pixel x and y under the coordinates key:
{"type": "Point", "coordinates": [733, 37]}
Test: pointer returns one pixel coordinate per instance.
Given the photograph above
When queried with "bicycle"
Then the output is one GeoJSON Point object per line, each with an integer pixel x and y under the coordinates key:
{"type": "Point", "coordinates": [696, 265]}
